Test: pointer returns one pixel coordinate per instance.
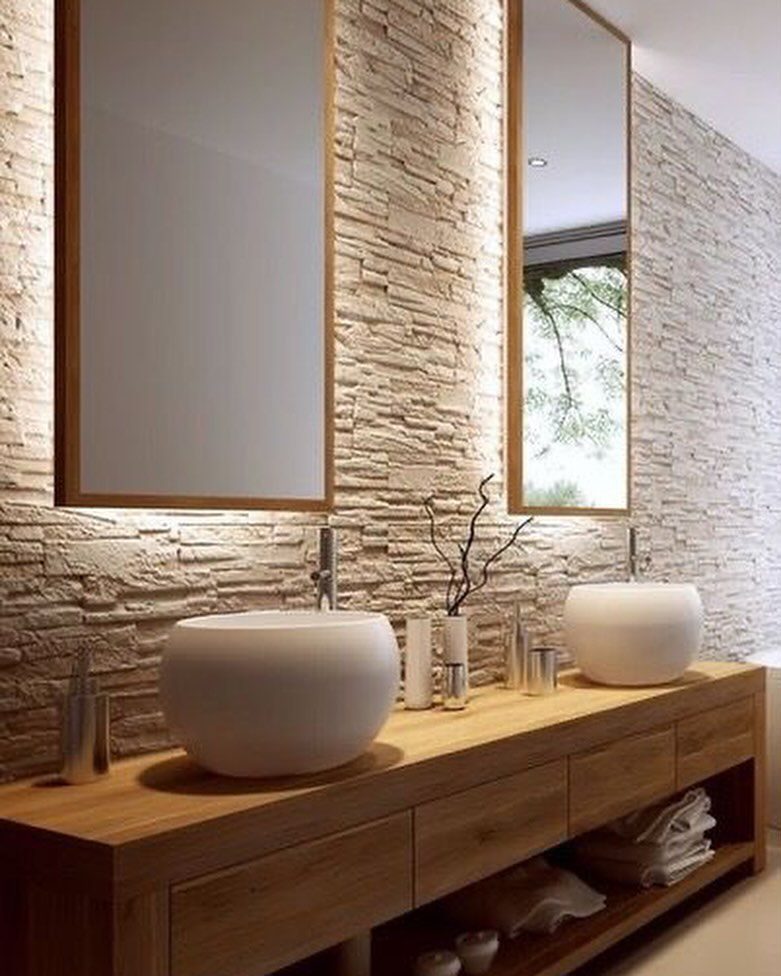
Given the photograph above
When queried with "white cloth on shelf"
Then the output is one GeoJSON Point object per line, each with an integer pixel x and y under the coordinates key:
{"type": "Point", "coordinates": [659, 872]}
{"type": "Point", "coordinates": [532, 897]}
{"type": "Point", "coordinates": [657, 846]}
{"type": "Point", "coordinates": [605, 845]}
{"type": "Point", "coordinates": [662, 822]}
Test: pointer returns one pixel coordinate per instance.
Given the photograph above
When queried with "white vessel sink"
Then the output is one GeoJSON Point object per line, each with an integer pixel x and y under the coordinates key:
{"type": "Point", "coordinates": [633, 633]}
{"type": "Point", "coordinates": [279, 693]}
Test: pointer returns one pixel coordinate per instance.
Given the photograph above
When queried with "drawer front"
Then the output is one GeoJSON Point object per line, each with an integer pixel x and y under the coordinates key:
{"type": "Point", "coordinates": [712, 741]}
{"type": "Point", "coordinates": [470, 835]}
{"type": "Point", "coordinates": [620, 777]}
{"type": "Point", "coordinates": [258, 917]}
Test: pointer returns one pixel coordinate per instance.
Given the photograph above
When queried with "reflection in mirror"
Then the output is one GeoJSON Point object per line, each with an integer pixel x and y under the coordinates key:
{"type": "Point", "coordinates": [194, 216]}
{"type": "Point", "coordinates": [568, 225]}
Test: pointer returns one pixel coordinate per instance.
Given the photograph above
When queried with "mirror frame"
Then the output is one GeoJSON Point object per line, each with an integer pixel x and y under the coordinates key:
{"type": "Point", "coordinates": [513, 263]}
{"type": "Point", "coordinates": [67, 325]}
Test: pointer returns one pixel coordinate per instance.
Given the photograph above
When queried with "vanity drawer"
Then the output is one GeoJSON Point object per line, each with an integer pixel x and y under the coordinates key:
{"type": "Point", "coordinates": [260, 916]}
{"type": "Point", "coordinates": [620, 777]}
{"type": "Point", "coordinates": [712, 741]}
{"type": "Point", "coordinates": [470, 835]}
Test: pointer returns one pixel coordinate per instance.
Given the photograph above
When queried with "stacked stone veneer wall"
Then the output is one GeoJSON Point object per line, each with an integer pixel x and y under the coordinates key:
{"type": "Point", "coordinates": [419, 382]}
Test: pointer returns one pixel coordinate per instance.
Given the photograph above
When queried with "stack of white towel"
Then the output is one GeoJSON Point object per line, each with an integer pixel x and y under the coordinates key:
{"type": "Point", "coordinates": [657, 846]}
{"type": "Point", "coordinates": [533, 897]}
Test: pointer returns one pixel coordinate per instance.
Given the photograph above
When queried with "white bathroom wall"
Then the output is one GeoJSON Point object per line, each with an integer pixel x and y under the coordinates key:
{"type": "Point", "coordinates": [707, 369]}
{"type": "Point", "coordinates": [418, 399]}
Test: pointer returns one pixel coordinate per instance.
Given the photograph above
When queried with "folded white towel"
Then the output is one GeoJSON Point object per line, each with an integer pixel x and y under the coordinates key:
{"type": "Point", "coordinates": [661, 822]}
{"type": "Point", "coordinates": [659, 845]}
{"type": "Point", "coordinates": [606, 844]}
{"type": "Point", "coordinates": [533, 897]}
{"type": "Point", "coordinates": [654, 873]}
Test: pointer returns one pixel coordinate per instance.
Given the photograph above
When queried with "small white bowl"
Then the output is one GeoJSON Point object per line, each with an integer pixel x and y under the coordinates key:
{"type": "Point", "coordinates": [477, 951]}
{"type": "Point", "coordinates": [439, 963]}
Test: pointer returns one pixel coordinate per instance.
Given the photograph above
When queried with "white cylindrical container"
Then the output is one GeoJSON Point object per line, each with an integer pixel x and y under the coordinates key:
{"type": "Point", "coordinates": [418, 679]}
{"type": "Point", "coordinates": [455, 641]}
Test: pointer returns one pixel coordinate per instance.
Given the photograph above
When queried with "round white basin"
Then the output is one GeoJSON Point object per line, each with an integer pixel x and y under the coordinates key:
{"type": "Point", "coordinates": [633, 633]}
{"type": "Point", "coordinates": [279, 693]}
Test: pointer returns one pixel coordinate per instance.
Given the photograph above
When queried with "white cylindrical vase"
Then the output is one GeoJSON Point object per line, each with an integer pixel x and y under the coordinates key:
{"type": "Point", "coordinates": [418, 682]}
{"type": "Point", "coordinates": [455, 650]}
{"type": "Point", "coordinates": [455, 641]}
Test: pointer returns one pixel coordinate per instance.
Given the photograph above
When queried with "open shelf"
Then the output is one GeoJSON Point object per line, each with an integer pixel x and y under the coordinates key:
{"type": "Point", "coordinates": [575, 943]}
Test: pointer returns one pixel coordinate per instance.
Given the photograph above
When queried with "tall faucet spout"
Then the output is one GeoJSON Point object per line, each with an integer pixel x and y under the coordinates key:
{"type": "Point", "coordinates": [631, 537]}
{"type": "Point", "coordinates": [326, 575]}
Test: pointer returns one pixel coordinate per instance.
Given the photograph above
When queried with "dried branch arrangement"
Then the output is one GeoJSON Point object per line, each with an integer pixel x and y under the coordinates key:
{"type": "Point", "coordinates": [462, 583]}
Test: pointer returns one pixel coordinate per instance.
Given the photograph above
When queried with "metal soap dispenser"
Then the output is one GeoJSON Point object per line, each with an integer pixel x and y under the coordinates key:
{"type": "Point", "coordinates": [85, 726]}
{"type": "Point", "coordinates": [516, 668]}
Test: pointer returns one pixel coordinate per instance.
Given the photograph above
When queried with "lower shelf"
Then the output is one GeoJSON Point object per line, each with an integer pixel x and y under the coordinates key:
{"type": "Point", "coordinates": [575, 943]}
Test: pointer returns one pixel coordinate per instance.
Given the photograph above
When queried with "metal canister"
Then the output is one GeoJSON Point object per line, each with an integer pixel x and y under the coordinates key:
{"type": "Point", "coordinates": [543, 670]}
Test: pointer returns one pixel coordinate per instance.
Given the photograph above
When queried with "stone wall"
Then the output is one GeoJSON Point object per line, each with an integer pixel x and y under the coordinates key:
{"type": "Point", "coordinates": [419, 382]}
{"type": "Point", "coordinates": [707, 369]}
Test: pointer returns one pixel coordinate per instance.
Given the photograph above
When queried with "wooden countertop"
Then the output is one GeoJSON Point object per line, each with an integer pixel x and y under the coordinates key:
{"type": "Point", "coordinates": [155, 816]}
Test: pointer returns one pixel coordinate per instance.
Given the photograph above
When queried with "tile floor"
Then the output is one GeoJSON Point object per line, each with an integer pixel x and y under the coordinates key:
{"type": "Point", "coordinates": [737, 934]}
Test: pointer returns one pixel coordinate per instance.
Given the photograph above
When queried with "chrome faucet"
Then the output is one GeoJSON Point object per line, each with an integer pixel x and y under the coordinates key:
{"type": "Point", "coordinates": [325, 575]}
{"type": "Point", "coordinates": [636, 563]}
{"type": "Point", "coordinates": [631, 539]}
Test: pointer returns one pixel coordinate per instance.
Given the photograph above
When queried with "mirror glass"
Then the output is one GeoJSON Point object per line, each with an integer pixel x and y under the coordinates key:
{"type": "Point", "coordinates": [194, 321]}
{"type": "Point", "coordinates": [570, 410]}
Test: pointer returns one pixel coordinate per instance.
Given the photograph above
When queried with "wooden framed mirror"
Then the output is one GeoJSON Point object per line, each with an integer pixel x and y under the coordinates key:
{"type": "Point", "coordinates": [567, 290]}
{"type": "Point", "coordinates": [194, 253]}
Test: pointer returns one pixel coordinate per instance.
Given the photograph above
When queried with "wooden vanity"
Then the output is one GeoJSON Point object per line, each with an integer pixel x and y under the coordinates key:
{"type": "Point", "coordinates": [164, 869]}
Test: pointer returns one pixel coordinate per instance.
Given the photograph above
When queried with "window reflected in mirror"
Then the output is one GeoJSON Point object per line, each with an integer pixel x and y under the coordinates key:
{"type": "Point", "coordinates": [568, 293]}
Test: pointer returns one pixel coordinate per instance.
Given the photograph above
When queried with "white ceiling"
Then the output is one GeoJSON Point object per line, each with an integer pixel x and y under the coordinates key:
{"type": "Point", "coordinates": [719, 58]}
